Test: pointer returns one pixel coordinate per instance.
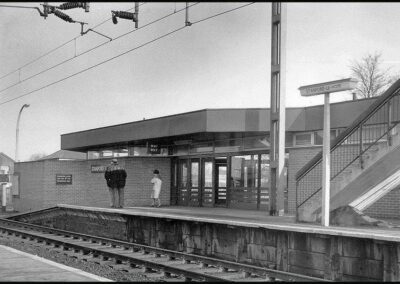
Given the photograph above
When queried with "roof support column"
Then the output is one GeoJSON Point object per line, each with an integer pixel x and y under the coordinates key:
{"type": "Point", "coordinates": [277, 113]}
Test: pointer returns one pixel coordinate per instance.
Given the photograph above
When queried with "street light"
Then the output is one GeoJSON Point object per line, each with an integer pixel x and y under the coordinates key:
{"type": "Point", "coordinates": [17, 132]}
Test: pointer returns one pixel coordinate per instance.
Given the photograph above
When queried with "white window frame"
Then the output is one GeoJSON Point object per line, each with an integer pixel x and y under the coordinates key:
{"type": "Point", "coordinates": [311, 133]}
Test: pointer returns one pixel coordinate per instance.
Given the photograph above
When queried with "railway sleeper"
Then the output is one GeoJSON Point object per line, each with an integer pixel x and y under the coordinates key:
{"type": "Point", "coordinates": [124, 268]}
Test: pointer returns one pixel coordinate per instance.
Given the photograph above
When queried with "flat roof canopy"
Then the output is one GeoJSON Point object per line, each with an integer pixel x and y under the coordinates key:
{"type": "Point", "coordinates": [209, 123]}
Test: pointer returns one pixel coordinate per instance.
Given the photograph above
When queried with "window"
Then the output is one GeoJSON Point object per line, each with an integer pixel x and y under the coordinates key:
{"type": "Point", "coordinates": [244, 171]}
{"type": "Point", "coordinates": [230, 145]}
{"type": "Point", "coordinates": [265, 170]}
{"type": "Point", "coordinates": [303, 139]}
{"type": "Point", "coordinates": [4, 169]}
{"type": "Point", "coordinates": [93, 154]}
{"type": "Point", "coordinates": [181, 150]}
{"type": "Point", "coordinates": [183, 171]}
{"type": "Point", "coordinates": [202, 147]}
{"type": "Point", "coordinates": [106, 153]}
{"type": "Point", "coordinates": [195, 174]}
{"type": "Point", "coordinates": [122, 152]}
{"type": "Point", "coordinates": [208, 174]}
{"type": "Point", "coordinates": [138, 151]}
{"type": "Point", "coordinates": [261, 142]}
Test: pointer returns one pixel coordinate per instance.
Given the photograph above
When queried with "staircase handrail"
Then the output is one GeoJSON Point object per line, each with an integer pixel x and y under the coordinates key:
{"type": "Point", "coordinates": [373, 108]}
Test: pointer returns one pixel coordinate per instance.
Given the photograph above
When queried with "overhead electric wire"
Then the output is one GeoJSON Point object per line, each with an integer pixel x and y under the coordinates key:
{"type": "Point", "coordinates": [116, 56]}
{"type": "Point", "coordinates": [93, 48]}
{"type": "Point", "coordinates": [29, 63]}
{"type": "Point", "coordinates": [58, 47]}
{"type": "Point", "coordinates": [93, 66]}
{"type": "Point", "coordinates": [219, 14]}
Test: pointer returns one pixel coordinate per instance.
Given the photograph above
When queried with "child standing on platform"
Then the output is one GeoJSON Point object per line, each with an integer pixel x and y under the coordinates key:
{"type": "Point", "coordinates": [155, 195]}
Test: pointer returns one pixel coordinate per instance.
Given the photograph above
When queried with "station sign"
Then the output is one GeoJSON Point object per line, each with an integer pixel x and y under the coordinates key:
{"type": "Point", "coordinates": [63, 179]}
{"type": "Point", "coordinates": [153, 149]}
{"type": "Point", "coordinates": [98, 169]}
{"type": "Point", "coordinates": [328, 87]}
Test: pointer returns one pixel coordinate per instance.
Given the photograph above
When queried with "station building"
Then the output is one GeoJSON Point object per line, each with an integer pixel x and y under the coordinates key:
{"type": "Point", "coordinates": [207, 158]}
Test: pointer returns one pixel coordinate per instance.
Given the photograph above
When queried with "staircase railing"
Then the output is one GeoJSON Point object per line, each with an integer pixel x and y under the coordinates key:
{"type": "Point", "coordinates": [375, 125]}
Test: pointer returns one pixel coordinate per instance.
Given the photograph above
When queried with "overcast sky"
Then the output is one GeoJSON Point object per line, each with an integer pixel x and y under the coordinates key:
{"type": "Point", "coordinates": [223, 62]}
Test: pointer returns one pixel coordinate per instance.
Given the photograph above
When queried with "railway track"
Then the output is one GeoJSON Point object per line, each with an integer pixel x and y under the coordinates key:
{"type": "Point", "coordinates": [128, 256]}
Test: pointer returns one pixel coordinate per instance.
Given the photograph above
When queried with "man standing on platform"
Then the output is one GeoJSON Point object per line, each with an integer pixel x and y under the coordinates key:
{"type": "Point", "coordinates": [121, 180]}
{"type": "Point", "coordinates": [115, 176]}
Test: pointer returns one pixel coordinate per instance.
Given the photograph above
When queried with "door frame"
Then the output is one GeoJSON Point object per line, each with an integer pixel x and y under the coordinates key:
{"type": "Point", "coordinates": [203, 160]}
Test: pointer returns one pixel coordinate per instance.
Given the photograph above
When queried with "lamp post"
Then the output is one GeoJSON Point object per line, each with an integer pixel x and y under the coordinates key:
{"type": "Point", "coordinates": [17, 132]}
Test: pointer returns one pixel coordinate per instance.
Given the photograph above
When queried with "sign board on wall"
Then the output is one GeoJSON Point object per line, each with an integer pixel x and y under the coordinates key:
{"type": "Point", "coordinates": [98, 169]}
{"type": "Point", "coordinates": [154, 149]}
{"type": "Point", "coordinates": [63, 179]}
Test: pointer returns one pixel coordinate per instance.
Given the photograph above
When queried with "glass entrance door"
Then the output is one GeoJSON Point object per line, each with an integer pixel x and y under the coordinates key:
{"type": "Point", "coordinates": [221, 179]}
{"type": "Point", "coordinates": [207, 182]}
{"type": "Point", "coordinates": [182, 193]}
{"type": "Point", "coordinates": [194, 185]}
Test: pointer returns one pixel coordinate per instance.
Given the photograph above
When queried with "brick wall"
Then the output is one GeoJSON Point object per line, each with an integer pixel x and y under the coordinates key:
{"type": "Point", "coordinates": [386, 207]}
{"type": "Point", "coordinates": [38, 189]}
{"type": "Point", "coordinates": [297, 159]}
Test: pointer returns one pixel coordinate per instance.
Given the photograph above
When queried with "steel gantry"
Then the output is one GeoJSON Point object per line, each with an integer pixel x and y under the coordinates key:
{"type": "Point", "coordinates": [277, 108]}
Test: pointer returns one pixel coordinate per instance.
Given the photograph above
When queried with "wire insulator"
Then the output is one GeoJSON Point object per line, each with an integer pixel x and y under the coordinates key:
{"type": "Point", "coordinates": [63, 16]}
{"type": "Point", "coordinates": [71, 5]}
{"type": "Point", "coordinates": [125, 15]}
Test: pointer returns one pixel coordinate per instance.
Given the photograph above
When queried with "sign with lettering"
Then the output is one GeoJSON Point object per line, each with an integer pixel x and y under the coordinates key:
{"type": "Point", "coordinates": [328, 87]}
{"type": "Point", "coordinates": [98, 169]}
{"type": "Point", "coordinates": [154, 149]}
{"type": "Point", "coordinates": [63, 179]}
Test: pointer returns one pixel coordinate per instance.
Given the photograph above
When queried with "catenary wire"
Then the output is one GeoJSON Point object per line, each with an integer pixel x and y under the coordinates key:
{"type": "Point", "coordinates": [219, 14]}
{"type": "Point", "coordinates": [114, 57]}
{"type": "Point", "coordinates": [58, 47]}
{"type": "Point", "coordinates": [93, 48]}
{"type": "Point", "coordinates": [93, 66]}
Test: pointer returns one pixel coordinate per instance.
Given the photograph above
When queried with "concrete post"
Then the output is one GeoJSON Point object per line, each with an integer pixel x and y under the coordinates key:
{"type": "Point", "coordinates": [326, 163]}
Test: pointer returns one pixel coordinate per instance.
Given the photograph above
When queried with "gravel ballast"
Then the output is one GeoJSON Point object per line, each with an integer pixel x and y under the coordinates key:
{"type": "Point", "coordinates": [88, 266]}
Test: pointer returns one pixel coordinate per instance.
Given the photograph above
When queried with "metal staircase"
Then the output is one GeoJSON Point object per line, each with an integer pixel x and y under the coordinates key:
{"type": "Point", "coordinates": [364, 161]}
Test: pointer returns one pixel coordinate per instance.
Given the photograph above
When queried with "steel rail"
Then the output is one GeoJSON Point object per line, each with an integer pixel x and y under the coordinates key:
{"type": "Point", "coordinates": [267, 273]}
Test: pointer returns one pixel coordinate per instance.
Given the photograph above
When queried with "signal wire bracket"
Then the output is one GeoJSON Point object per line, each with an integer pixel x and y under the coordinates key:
{"type": "Point", "coordinates": [88, 30]}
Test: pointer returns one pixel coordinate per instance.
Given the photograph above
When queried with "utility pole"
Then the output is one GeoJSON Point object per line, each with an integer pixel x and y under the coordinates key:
{"type": "Point", "coordinates": [277, 109]}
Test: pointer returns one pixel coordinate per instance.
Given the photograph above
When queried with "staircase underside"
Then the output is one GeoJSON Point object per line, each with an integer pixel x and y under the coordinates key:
{"type": "Point", "coordinates": [369, 186]}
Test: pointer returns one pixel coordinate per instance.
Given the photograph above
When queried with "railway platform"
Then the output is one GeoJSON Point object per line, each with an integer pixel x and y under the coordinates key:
{"type": "Point", "coordinates": [18, 266]}
{"type": "Point", "coordinates": [249, 218]}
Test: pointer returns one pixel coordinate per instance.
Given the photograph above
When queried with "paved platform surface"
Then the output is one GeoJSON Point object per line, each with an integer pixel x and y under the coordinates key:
{"type": "Point", "coordinates": [249, 218]}
{"type": "Point", "coordinates": [23, 267]}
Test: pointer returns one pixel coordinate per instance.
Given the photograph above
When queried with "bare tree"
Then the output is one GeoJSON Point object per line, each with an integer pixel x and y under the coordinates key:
{"type": "Point", "coordinates": [37, 156]}
{"type": "Point", "coordinates": [373, 80]}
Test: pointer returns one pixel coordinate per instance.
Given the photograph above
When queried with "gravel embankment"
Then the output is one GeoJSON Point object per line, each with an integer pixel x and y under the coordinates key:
{"type": "Point", "coordinates": [87, 266]}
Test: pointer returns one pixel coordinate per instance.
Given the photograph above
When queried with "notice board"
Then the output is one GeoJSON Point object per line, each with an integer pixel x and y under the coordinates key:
{"type": "Point", "coordinates": [63, 179]}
